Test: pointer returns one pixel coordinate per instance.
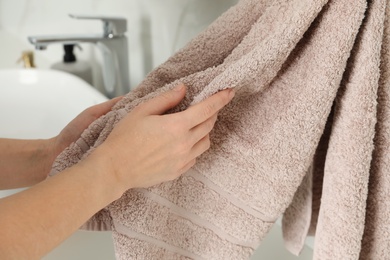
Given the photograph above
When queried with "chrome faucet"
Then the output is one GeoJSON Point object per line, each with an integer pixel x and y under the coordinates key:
{"type": "Point", "coordinates": [112, 44]}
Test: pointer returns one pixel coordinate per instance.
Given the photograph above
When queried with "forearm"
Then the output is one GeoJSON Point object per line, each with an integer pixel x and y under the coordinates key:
{"type": "Point", "coordinates": [35, 221]}
{"type": "Point", "coordinates": [24, 162]}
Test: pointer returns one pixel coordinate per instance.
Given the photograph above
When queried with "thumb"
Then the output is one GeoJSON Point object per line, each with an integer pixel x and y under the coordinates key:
{"type": "Point", "coordinates": [165, 101]}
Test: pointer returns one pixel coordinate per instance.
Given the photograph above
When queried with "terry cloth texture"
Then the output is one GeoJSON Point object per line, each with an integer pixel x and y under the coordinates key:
{"type": "Point", "coordinates": [305, 136]}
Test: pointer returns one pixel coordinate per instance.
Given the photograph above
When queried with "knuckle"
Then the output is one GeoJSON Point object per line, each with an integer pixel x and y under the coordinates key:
{"type": "Point", "coordinates": [209, 109]}
{"type": "Point", "coordinates": [181, 150]}
{"type": "Point", "coordinates": [167, 96]}
{"type": "Point", "coordinates": [169, 126]}
{"type": "Point", "coordinates": [174, 123]}
{"type": "Point", "coordinates": [175, 129]}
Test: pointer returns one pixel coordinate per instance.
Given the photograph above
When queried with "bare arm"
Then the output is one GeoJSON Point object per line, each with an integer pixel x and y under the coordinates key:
{"type": "Point", "coordinates": [25, 163]}
{"type": "Point", "coordinates": [34, 221]}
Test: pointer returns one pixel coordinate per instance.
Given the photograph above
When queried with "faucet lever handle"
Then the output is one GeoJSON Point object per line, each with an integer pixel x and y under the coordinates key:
{"type": "Point", "coordinates": [112, 25]}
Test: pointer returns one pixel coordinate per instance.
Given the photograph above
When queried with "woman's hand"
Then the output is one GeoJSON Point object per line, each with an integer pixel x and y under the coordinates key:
{"type": "Point", "coordinates": [144, 148]}
{"type": "Point", "coordinates": [76, 127]}
{"type": "Point", "coordinates": [147, 147]}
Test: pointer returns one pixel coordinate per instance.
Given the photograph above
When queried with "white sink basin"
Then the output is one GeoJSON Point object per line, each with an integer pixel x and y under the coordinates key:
{"type": "Point", "coordinates": [39, 103]}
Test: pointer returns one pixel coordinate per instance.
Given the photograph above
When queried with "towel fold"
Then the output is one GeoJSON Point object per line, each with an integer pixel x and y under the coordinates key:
{"type": "Point", "coordinates": [277, 147]}
{"type": "Point", "coordinates": [376, 239]}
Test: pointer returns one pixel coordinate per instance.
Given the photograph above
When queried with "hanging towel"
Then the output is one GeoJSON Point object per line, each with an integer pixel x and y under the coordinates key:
{"type": "Point", "coordinates": [300, 137]}
{"type": "Point", "coordinates": [346, 170]}
{"type": "Point", "coordinates": [376, 239]}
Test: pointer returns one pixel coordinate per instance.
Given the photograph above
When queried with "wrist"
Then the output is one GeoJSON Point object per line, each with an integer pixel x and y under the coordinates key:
{"type": "Point", "coordinates": [47, 150]}
{"type": "Point", "coordinates": [101, 165]}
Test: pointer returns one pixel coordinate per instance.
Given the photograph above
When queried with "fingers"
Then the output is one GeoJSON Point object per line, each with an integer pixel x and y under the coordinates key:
{"type": "Point", "coordinates": [114, 100]}
{"type": "Point", "coordinates": [165, 101]}
{"type": "Point", "coordinates": [199, 148]}
{"type": "Point", "coordinates": [207, 108]}
{"type": "Point", "coordinates": [203, 129]}
{"type": "Point", "coordinates": [105, 107]}
{"type": "Point", "coordinates": [187, 166]}
{"type": "Point", "coordinates": [203, 117]}
{"type": "Point", "coordinates": [98, 110]}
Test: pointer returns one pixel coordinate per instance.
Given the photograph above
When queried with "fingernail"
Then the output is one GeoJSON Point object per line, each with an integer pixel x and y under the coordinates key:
{"type": "Point", "coordinates": [231, 94]}
{"type": "Point", "coordinates": [179, 87]}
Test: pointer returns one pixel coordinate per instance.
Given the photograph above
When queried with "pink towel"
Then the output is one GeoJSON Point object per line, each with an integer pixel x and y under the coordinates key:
{"type": "Point", "coordinates": [276, 148]}
{"type": "Point", "coordinates": [348, 163]}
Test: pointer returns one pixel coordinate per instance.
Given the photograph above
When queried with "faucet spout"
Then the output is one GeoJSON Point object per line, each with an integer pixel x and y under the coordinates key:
{"type": "Point", "coordinates": [113, 46]}
{"type": "Point", "coordinates": [41, 42]}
